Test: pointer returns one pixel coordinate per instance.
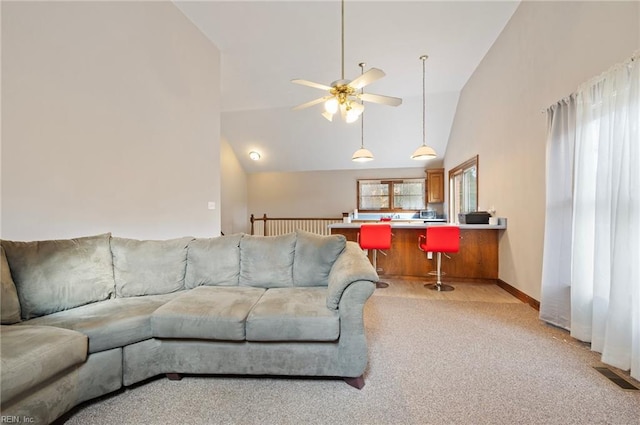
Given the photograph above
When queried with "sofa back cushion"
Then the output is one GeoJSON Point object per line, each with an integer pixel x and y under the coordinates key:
{"type": "Point", "coordinates": [56, 275]}
{"type": "Point", "coordinates": [10, 308]}
{"type": "Point", "coordinates": [314, 257]}
{"type": "Point", "coordinates": [267, 261]}
{"type": "Point", "coordinates": [149, 267]}
{"type": "Point", "coordinates": [213, 262]}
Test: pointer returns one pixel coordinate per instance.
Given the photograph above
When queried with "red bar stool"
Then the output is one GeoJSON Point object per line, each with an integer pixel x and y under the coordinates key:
{"type": "Point", "coordinates": [440, 239]}
{"type": "Point", "coordinates": [376, 237]}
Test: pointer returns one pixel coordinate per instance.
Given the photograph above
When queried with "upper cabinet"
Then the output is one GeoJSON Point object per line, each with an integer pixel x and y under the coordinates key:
{"type": "Point", "coordinates": [435, 185]}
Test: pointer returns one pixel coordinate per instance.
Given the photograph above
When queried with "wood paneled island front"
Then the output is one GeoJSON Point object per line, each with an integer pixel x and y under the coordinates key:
{"type": "Point", "coordinates": [477, 259]}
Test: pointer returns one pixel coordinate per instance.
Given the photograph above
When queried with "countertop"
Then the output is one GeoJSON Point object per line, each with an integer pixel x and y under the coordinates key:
{"type": "Point", "coordinates": [419, 224]}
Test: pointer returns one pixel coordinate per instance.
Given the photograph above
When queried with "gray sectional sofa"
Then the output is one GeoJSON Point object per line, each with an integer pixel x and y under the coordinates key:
{"type": "Point", "coordinates": [83, 317]}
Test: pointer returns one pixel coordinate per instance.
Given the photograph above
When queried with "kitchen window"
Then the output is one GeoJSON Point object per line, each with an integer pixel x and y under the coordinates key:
{"type": "Point", "coordinates": [395, 195]}
{"type": "Point", "coordinates": [463, 188]}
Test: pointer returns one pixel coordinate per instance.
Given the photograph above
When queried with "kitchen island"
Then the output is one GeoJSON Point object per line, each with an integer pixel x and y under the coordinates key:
{"type": "Point", "coordinates": [477, 260]}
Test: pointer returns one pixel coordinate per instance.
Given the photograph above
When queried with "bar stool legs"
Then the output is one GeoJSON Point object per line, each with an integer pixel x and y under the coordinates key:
{"type": "Point", "coordinates": [441, 240]}
{"type": "Point", "coordinates": [375, 236]}
{"type": "Point", "coordinates": [439, 286]}
{"type": "Point", "coordinates": [379, 284]}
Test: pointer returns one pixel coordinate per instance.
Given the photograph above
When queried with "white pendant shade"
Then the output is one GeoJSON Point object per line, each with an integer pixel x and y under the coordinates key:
{"type": "Point", "coordinates": [362, 155]}
{"type": "Point", "coordinates": [424, 152]}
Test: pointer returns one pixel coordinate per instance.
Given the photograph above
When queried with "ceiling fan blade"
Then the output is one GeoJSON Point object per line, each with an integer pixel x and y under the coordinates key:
{"type": "Point", "coordinates": [367, 78]}
{"type": "Point", "coordinates": [378, 98]}
{"type": "Point", "coordinates": [311, 103]}
{"type": "Point", "coordinates": [311, 84]}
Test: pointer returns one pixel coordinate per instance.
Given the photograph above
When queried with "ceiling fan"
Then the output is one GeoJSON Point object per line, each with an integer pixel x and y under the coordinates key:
{"type": "Point", "coordinates": [344, 95]}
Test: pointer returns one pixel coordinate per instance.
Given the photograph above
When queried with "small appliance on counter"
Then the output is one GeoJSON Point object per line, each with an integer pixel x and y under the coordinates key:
{"type": "Point", "coordinates": [428, 214]}
{"type": "Point", "coordinates": [476, 217]}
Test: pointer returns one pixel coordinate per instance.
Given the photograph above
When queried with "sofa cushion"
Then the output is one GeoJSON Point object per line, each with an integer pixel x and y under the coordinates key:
{"type": "Point", "coordinates": [267, 261]}
{"type": "Point", "coordinates": [10, 308]}
{"type": "Point", "coordinates": [57, 275]}
{"type": "Point", "coordinates": [149, 267]}
{"type": "Point", "coordinates": [213, 261]}
{"type": "Point", "coordinates": [33, 354]}
{"type": "Point", "coordinates": [314, 256]}
{"type": "Point", "coordinates": [293, 314]}
{"type": "Point", "coordinates": [206, 312]}
{"type": "Point", "coordinates": [109, 324]}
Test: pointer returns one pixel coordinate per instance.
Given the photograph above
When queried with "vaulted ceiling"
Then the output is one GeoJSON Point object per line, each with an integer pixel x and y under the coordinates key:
{"type": "Point", "coordinates": [266, 44]}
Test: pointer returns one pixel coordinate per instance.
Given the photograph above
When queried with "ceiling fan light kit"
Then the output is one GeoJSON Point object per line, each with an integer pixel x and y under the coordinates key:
{"type": "Point", "coordinates": [424, 151]}
{"type": "Point", "coordinates": [331, 106]}
{"type": "Point", "coordinates": [328, 115]}
{"type": "Point", "coordinates": [343, 94]}
{"type": "Point", "coordinates": [351, 111]}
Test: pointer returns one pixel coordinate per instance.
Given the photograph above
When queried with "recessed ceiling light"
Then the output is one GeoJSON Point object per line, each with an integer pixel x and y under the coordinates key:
{"type": "Point", "coordinates": [254, 155]}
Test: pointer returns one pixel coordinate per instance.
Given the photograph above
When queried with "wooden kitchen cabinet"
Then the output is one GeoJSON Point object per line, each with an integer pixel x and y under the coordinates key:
{"type": "Point", "coordinates": [435, 185]}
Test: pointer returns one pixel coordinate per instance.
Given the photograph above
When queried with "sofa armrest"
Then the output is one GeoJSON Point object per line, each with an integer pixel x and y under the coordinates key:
{"type": "Point", "coordinates": [350, 266]}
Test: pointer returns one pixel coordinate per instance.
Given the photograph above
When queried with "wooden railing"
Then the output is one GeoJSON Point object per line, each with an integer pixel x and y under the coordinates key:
{"type": "Point", "coordinates": [269, 226]}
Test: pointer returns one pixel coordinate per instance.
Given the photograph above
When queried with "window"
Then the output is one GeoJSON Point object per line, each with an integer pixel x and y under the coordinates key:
{"type": "Point", "coordinates": [391, 195]}
{"type": "Point", "coordinates": [463, 188]}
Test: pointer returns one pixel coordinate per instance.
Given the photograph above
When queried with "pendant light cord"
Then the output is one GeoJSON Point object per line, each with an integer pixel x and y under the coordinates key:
{"type": "Point", "coordinates": [362, 64]}
{"type": "Point", "coordinates": [362, 131]}
{"type": "Point", "coordinates": [424, 101]}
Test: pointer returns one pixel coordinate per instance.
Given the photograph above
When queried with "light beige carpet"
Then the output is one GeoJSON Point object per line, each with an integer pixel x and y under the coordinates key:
{"type": "Point", "coordinates": [431, 362]}
{"type": "Point", "coordinates": [414, 288]}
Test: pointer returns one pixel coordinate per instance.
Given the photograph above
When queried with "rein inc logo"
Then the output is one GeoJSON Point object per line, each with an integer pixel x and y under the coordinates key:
{"type": "Point", "coordinates": [6, 419]}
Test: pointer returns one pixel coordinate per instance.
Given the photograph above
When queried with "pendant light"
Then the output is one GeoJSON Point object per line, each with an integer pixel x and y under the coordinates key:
{"type": "Point", "coordinates": [424, 151]}
{"type": "Point", "coordinates": [362, 154]}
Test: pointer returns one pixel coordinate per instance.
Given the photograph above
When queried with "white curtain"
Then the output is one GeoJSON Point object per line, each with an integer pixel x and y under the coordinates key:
{"type": "Point", "coordinates": [604, 251]}
{"type": "Point", "coordinates": [556, 269]}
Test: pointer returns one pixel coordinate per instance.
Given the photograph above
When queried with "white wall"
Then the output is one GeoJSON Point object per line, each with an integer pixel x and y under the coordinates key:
{"type": "Point", "coordinates": [543, 54]}
{"type": "Point", "coordinates": [315, 193]}
{"type": "Point", "coordinates": [110, 114]}
{"type": "Point", "coordinates": [235, 218]}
